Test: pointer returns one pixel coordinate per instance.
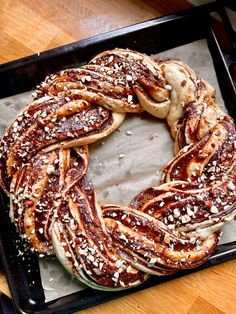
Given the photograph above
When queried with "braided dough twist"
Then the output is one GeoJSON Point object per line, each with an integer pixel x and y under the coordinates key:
{"type": "Point", "coordinates": [44, 160]}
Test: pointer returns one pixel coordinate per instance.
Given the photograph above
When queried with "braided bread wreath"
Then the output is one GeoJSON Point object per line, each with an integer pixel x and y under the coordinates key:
{"type": "Point", "coordinates": [44, 160]}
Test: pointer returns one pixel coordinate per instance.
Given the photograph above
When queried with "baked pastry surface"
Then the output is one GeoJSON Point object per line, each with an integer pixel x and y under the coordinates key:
{"type": "Point", "coordinates": [44, 160]}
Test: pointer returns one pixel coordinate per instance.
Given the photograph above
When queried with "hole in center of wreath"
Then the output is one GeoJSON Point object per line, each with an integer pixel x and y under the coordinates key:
{"type": "Point", "coordinates": [131, 159]}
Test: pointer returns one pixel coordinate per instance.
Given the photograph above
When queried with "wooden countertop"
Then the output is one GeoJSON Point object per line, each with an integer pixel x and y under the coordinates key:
{"type": "Point", "coordinates": [31, 26]}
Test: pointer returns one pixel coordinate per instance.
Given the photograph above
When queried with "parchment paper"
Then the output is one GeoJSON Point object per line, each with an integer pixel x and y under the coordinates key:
{"type": "Point", "coordinates": [122, 165]}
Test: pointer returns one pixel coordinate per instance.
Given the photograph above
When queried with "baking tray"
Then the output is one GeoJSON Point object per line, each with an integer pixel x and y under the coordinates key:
{"type": "Point", "coordinates": [150, 37]}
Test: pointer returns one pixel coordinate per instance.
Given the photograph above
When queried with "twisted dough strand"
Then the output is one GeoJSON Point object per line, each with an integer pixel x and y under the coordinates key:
{"type": "Point", "coordinates": [44, 160]}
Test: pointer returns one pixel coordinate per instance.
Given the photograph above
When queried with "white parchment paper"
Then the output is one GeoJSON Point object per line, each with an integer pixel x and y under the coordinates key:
{"type": "Point", "coordinates": [122, 165]}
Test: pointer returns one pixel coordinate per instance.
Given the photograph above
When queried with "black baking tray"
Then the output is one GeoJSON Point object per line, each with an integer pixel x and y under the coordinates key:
{"type": "Point", "coordinates": [150, 37]}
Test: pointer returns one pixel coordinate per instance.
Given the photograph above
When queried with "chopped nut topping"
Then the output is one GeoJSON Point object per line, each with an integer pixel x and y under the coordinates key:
{"type": "Point", "coordinates": [231, 186]}
{"type": "Point", "coordinates": [50, 169]}
{"type": "Point", "coordinates": [129, 132]}
{"type": "Point", "coordinates": [129, 77]}
{"type": "Point", "coordinates": [168, 87]}
{"type": "Point", "coordinates": [130, 98]}
{"type": "Point", "coordinates": [153, 261]}
{"type": "Point", "coordinates": [121, 156]}
{"type": "Point", "coordinates": [214, 209]}
{"type": "Point", "coordinates": [185, 218]}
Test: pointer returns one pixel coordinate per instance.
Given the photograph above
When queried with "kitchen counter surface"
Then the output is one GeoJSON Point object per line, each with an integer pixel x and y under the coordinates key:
{"type": "Point", "coordinates": [31, 26]}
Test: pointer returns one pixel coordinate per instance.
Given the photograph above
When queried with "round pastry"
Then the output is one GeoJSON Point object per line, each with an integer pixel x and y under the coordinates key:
{"type": "Point", "coordinates": [44, 160]}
